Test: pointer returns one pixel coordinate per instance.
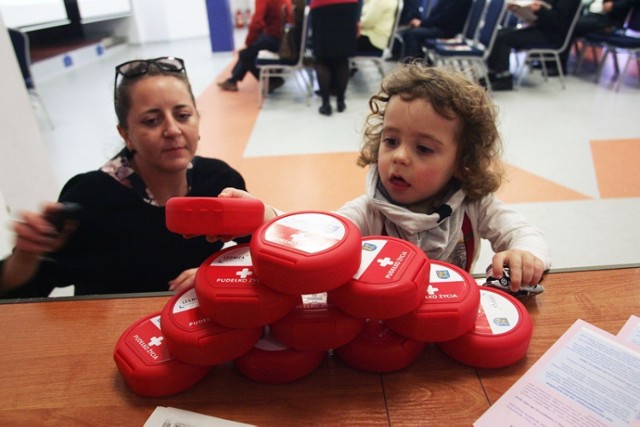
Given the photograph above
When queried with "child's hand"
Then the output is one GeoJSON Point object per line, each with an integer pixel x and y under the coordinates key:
{"type": "Point", "coordinates": [524, 267]}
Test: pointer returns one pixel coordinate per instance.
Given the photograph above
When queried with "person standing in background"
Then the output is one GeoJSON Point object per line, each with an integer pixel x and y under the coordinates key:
{"type": "Point", "coordinates": [265, 31]}
{"type": "Point", "coordinates": [334, 32]}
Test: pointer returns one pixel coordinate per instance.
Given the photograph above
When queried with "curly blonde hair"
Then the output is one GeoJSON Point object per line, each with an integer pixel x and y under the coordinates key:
{"type": "Point", "coordinates": [451, 95]}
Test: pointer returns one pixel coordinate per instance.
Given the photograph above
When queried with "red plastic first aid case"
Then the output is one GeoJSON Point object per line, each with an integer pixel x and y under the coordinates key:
{"type": "Point", "coordinates": [213, 216]}
{"type": "Point", "coordinates": [230, 293]}
{"type": "Point", "coordinates": [316, 325]}
{"type": "Point", "coordinates": [193, 338]}
{"type": "Point", "coordinates": [272, 362]}
{"type": "Point", "coordinates": [501, 335]}
{"type": "Point", "coordinates": [306, 252]}
{"type": "Point", "coordinates": [449, 307]}
{"type": "Point", "coordinates": [378, 349]}
{"type": "Point", "coordinates": [144, 361]}
{"type": "Point", "coordinates": [391, 281]}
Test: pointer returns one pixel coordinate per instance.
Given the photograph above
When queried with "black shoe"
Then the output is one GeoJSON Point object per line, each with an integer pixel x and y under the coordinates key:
{"type": "Point", "coordinates": [325, 109]}
{"type": "Point", "coordinates": [502, 83]}
{"type": "Point", "coordinates": [341, 106]}
{"type": "Point", "coordinates": [275, 83]}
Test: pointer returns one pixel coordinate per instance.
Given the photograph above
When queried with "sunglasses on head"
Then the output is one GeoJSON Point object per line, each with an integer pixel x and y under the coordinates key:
{"type": "Point", "coordinates": [138, 67]}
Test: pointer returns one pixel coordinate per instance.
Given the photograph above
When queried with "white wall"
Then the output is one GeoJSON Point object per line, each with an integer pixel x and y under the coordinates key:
{"type": "Point", "coordinates": [26, 177]}
{"type": "Point", "coordinates": [165, 20]}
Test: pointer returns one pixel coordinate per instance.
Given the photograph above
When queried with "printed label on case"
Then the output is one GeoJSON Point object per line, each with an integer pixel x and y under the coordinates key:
{"type": "Point", "coordinates": [187, 313]}
{"type": "Point", "coordinates": [232, 267]}
{"type": "Point", "coordinates": [148, 342]}
{"type": "Point", "coordinates": [496, 314]}
{"type": "Point", "coordinates": [310, 232]}
{"type": "Point", "coordinates": [445, 285]}
{"type": "Point", "coordinates": [382, 261]}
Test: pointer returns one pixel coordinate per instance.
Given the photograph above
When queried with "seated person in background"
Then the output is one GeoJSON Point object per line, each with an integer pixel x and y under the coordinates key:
{"type": "Point", "coordinates": [411, 9]}
{"type": "Point", "coordinates": [602, 17]}
{"type": "Point", "coordinates": [550, 27]}
{"type": "Point", "coordinates": [120, 243]}
{"type": "Point", "coordinates": [376, 24]}
{"type": "Point", "coordinates": [445, 20]}
{"type": "Point", "coordinates": [265, 31]}
{"type": "Point", "coordinates": [432, 147]}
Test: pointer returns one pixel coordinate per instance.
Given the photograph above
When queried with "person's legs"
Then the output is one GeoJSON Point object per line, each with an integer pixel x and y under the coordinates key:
{"type": "Point", "coordinates": [498, 61]}
{"type": "Point", "coordinates": [414, 39]}
{"type": "Point", "coordinates": [248, 56]}
{"type": "Point", "coordinates": [247, 61]}
{"type": "Point", "coordinates": [323, 74]}
{"type": "Point", "coordinates": [342, 73]}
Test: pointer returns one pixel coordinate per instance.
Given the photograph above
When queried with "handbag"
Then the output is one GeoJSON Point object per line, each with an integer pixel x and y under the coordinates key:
{"type": "Point", "coordinates": [288, 51]}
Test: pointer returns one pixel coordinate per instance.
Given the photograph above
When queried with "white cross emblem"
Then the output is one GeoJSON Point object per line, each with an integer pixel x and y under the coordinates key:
{"type": "Point", "coordinates": [385, 262]}
{"type": "Point", "coordinates": [431, 290]}
{"type": "Point", "coordinates": [244, 273]}
{"type": "Point", "coordinates": [155, 341]}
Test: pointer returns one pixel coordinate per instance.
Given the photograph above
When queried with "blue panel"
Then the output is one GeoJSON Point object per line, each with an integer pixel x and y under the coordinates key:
{"type": "Point", "coordinates": [220, 25]}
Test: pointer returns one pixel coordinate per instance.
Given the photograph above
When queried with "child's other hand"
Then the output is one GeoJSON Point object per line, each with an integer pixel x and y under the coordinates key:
{"type": "Point", "coordinates": [524, 267]}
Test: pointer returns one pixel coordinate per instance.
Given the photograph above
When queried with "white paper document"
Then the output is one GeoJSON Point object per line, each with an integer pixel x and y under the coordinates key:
{"type": "Point", "coordinates": [630, 332]}
{"type": "Point", "coordinates": [172, 417]}
{"type": "Point", "coordinates": [587, 378]}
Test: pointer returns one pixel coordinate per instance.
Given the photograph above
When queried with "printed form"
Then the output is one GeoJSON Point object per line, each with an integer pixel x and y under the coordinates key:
{"type": "Point", "coordinates": [587, 378]}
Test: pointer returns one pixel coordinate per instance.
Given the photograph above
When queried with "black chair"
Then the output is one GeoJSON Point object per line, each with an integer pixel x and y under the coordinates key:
{"type": "Point", "coordinates": [469, 31]}
{"type": "Point", "coordinates": [270, 65]}
{"type": "Point", "coordinates": [548, 52]}
{"type": "Point", "coordinates": [626, 40]}
{"type": "Point", "coordinates": [470, 56]}
{"type": "Point", "coordinates": [20, 43]}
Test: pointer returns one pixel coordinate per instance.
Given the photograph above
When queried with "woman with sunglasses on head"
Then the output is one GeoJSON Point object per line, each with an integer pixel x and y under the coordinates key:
{"type": "Point", "coordinates": [118, 242]}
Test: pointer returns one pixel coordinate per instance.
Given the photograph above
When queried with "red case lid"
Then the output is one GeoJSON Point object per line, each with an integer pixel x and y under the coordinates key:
{"type": "Point", "coordinates": [501, 336]}
{"type": "Point", "coordinates": [306, 252]}
{"type": "Point", "coordinates": [379, 349]}
{"type": "Point", "coordinates": [271, 362]}
{"type": "Point", "coordinates": [143, 359]}
{"type": "Point", "coordinates": [193, 338]}
{"type": "Point", "coordinates": [230, 294]}
{"type": "Point", "coordinates": [213, 215]}
{"type": "Point", "coordinates": [449, 307]}
{"type": "Point", "coordinates": [391, 281]}
{"type": "Point", "coordinates": [316, 325]}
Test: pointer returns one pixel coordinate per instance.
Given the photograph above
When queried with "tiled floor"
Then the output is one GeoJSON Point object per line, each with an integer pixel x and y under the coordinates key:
{"type": "Point", "coordinates": [572, 154]}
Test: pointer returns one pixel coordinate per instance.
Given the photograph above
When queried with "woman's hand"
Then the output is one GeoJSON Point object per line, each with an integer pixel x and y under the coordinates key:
{"type": "Point", "coordinates": [34, 237]}
{"type": "Point", "coordinates": [185, 280]}
{"type": "Point", "coordinates": [524, 267]}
